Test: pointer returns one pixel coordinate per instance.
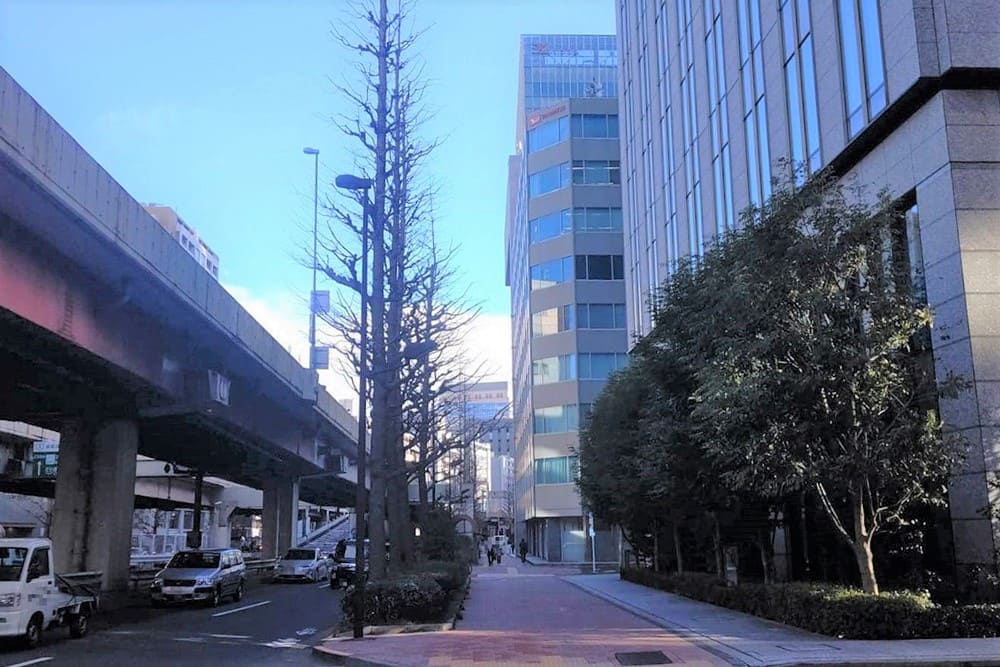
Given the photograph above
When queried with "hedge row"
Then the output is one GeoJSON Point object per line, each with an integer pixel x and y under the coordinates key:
{"type": "Point", "coordinates": [833, 610]}
{"type": "Point", "coordinates": [421, 595]}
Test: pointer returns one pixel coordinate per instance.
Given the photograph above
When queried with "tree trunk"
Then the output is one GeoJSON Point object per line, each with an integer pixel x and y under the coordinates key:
{"type": "Point", "coordinates": [862, 545]}
{"type": "Point", "coordinates": [720, 560]}
{"type": "Point", "coordinates": [678, 549]}
{"type": "Point", "coordinates": [377, 496]}
{"type": "Point", "coordinates": [766, 544]}
{"type": "Point", "coordinates": [656, 548]}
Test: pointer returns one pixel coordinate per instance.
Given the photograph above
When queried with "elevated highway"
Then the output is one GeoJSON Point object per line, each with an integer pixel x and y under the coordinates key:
{"type": "Point", "coordinates": [111, 334]}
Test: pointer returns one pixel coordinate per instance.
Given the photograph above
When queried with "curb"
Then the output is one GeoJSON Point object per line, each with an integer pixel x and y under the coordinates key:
{"type": "Point", "coordinates": [337, 658]}
{"type": "Point", "coordinates": [371, 632]}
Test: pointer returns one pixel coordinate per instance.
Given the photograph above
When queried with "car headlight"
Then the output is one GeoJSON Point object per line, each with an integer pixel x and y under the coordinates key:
{"type": "Point", "coordinates": [157, 583]}
{"type": "Point", "coordinates": [10, 600]}
{"type": "Point", "coordinates": [203, 581]}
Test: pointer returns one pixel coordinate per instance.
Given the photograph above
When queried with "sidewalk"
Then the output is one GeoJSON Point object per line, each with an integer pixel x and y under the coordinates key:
{"type": "Point", "coordinates": [519, 614]}
{"type": "Point", "coordinates": [750, 640]}
{"type": "Point", "coordinates": [526, 615]}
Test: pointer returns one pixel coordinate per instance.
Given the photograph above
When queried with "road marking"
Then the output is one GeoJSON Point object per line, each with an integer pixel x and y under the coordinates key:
{"type": "Point", "coordinates": [233, 611]}
{"type": "Point", "coordinates": [193, 640]}
{"type": "Point", "coordinates": [286, 642]}
{"type": "Point", "coordinates": [229, 636]}
{"type": "Point", "coordinates": [30, 662]}
{"type": "Point", "coordinates": [326, 585]}
{"type": "Point", "coordinates": [305, 632]}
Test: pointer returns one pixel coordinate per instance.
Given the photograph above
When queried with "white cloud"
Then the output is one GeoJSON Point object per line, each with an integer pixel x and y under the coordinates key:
{"type": "Point", "coordinates": [489, 341]}
{"type": "Point", "coordinates": [285, 316]}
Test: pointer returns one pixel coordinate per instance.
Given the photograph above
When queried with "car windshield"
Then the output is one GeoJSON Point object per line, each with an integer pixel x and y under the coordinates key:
{"type": "Point", "coordinates": [11, 563]}
{"type": "Point", "coordinates": [194, 559]}
{"type": "Point", "coordinates": [300, 554]}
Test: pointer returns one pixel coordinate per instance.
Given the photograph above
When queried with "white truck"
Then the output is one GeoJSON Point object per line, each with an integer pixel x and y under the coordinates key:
{"type": "Point", "coordinates": [34, 598]}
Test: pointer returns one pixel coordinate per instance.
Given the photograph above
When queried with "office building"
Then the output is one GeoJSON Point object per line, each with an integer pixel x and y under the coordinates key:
{"type": "Point", "coordinates": [186, 235]}
{"type": "Point", "coordinates": [897, 94]}
{"type": "Point", "coordinates": [565, 269]}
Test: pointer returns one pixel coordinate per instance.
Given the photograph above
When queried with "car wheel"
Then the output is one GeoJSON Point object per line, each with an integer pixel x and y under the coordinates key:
{"type": "Point", "coordinates": [33, 633]}
{"type": "Point", "coordinates": [79, 624]}
{"type": "Point", "coordinates": [216, 598]}
{"type": "Point", "coordinates": [157, 604]}
{"type": "Point", "coordinates": [238, 595]}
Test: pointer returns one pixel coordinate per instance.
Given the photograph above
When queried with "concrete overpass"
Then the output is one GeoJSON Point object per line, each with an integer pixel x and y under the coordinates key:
{"type": "Point", "coordinates": [112, 335]}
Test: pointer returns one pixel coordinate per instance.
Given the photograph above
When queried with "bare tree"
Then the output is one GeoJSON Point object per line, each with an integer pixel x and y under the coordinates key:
{"type": "Point", "coordinates": [388, 112]}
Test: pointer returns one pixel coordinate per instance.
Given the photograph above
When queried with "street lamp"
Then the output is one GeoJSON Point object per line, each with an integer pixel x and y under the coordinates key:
{"type": "Point", "coordinates": [313, 365]}
{"type": "Point", "coordinates": [355, 183]}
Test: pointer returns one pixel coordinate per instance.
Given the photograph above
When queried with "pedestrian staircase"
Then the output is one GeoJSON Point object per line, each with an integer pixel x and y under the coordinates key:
{"type": "Point", "coordinates": [326, 538]}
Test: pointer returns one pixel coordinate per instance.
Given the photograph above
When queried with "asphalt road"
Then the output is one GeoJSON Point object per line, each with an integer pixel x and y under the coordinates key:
{"type": "Point", "coordinates": [274, 624]}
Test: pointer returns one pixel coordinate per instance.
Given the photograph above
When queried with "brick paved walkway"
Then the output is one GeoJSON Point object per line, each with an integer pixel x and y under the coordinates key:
{"type": "Point", "coordinates": [527, 615]}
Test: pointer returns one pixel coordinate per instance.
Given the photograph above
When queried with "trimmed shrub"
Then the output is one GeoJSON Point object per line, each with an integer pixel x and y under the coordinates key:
{"type": "Point", "coordinates": [449, 575]}
{"type": "Point", "coordinates": [833, 610]}
{"type": "Point", "coordinates": [413, 597]}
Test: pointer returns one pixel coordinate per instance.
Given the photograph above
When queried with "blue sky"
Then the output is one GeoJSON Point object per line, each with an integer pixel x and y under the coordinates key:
{"type": "Point", "coordinates": [206, 106]}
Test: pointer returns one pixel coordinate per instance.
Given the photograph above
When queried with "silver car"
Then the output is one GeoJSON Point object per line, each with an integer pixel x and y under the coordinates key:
{"type": "Point", "coordinates": [206, 575]}
{"type": "Point", "coordinates": [301, 565]}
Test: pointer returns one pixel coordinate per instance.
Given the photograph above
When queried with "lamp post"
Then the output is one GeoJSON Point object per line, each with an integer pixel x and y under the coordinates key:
{"type": "Point", "coordinates": [356, 183]}
{"type": "Point", "coordinates": [312, 295]}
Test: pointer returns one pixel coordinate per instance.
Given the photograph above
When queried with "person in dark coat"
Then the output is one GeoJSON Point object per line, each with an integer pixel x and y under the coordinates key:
{"type": "Point", "coordinates": [522, 547]}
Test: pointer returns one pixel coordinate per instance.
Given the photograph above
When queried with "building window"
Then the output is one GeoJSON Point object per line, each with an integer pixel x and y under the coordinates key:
{"type": "Point", "coordinates": [667, 145]}
{"type": "Point", "coordinates": [596, 172]}
{"type": "Point", "coordinates": [600, 365]}
{"type": "Point", "coordinates": [548, 134]}
{"type": "Point", "coordinates": [754, 106]}
{"type": "Point", "coordinates": [553, 369]}
{"type": "Point", "coordinates": [718, 118]}
{"type": "Point", "coordinates": [559, 419]}
{"type": "Point", "coordinates": [692, 162]}
{"type": "Point", "coordinates": [551, 273]}
{"type": "Point", "coordinates": [600, 315]}
{"type": "Point", "coordinates": [600, 267]}
{"type": "Point", "coordinates": [552, 321]}
{"type": "Point", "coordinates": [548, 180]}
{"type": "Point", "coordinates": [594, 126]}
{"type": "Point", "coordinates": [556, 470]}
{"type": "Point", "coordinates": [550, 226]}
{"type": "Point", "coordinates": [863, 61]}
{"type": "Point", "coordinates": [800, 82]}
{"type": "Point", "coordinates": [597, 219]}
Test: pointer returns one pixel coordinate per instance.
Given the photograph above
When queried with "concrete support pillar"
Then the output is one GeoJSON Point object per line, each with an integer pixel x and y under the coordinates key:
{"type": "Point", "coordinates": [95, 496]}
{"type": "Point", "coordinates": [280, 516]}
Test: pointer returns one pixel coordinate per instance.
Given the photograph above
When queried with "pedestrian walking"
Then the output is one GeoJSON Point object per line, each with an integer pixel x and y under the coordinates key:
{"type": "Point", "coordinates": [523, 548]}
{"type": "Point", "coordinates": [490, 556]}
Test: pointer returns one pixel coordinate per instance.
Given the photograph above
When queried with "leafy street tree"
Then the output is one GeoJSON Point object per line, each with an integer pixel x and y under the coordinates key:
{"type": "Point", "coordinates": [818, 378]}
{"type": "Point", "coordinates": [793, 356]}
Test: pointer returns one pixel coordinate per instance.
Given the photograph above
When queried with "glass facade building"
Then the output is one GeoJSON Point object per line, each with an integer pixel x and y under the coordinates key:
{"type": "Point", "coordinates": [565, 268]}
{"type": "Point", "coordinates": [718, 98]}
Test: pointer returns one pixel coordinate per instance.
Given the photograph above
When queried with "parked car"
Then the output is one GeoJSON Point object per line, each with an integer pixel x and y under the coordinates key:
{"type": "Point", "coordinates": [200, 575]}
{"type": "Point", "coordinates": [301, 565]}
{"type": "Point", "coordinates": [34, 598]}
{"type": "Point", "coordinates": [342, 574]}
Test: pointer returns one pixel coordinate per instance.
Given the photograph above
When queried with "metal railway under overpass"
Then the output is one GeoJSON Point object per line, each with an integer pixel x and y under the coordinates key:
{"type": "Point", "coordinates": [112, 335]}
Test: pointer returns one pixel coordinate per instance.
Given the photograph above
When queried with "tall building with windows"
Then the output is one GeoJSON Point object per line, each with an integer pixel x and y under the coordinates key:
{"type": "Point", "coordinates": [898, 94]}
{"type": "Point", "coordinates": [565, 269]}
{"type": "Point", "coordinates": [186, 235]}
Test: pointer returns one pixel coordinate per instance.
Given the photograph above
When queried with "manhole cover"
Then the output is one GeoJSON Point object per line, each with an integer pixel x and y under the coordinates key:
{"type": "Point", "coordinates": [642, 658]}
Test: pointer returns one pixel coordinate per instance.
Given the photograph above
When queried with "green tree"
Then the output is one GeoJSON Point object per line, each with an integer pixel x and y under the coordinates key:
{"type": "Point", "coordinates": [812, 375]}
{"type": "Point", "coordinates": [611, 458]}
